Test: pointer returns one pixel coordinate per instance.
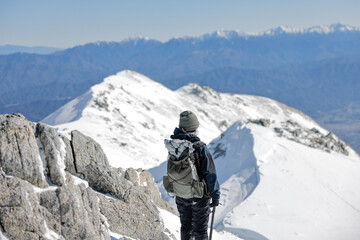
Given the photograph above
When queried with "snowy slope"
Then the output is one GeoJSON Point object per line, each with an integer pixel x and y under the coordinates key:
{"type": "Point", "coordinates": [291, 191]}
{"type": "Point", "coordinates": [282, 175]}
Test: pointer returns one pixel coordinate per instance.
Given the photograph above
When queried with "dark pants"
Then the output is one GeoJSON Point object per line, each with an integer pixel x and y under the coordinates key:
{"type": "Point", "coordinates": [194, 217]}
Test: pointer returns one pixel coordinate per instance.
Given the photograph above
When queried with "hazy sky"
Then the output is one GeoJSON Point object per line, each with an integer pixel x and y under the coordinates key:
{"type": "Point", "coordinates": [66, 23]}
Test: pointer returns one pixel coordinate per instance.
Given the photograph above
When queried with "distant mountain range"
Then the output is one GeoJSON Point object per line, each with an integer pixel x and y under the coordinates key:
{"type": "Point", "coordinates": [10, 49]}
{"type": "Point", "coordinates": [320, 85]}
{"type": "Point", "coordinates": [314, 69]}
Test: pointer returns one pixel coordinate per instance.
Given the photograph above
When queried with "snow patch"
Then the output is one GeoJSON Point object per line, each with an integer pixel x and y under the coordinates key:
{"type": "Point", "coordinates": [107, 195]}
{"type": "Point", "coordinates": [60, 159]}
{"type": "Point", "coordinates": [50, 234]}
{"type": "Point", "coordinates": [41, 190]}
{"type": "Point", "coordinates": [171, 223]}
{"type": "Point", "coordinates": [2, 236]}
{"type": "Point", "coordinates": [77, 181]}
{"type": "Point", "coordinates": [115, 236]}
{"type": "Point", "coordinates": [4, 174]}
{"type": "Point", "coordinates": [42, 160]}
{"type": "Point", "coordinates": [105, 226]}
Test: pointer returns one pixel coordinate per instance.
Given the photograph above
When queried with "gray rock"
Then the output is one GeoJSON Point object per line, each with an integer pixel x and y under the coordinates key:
{"type": "Point", "coordinates": [262, 122]}
{"type": "Point", "coordinates": [297, 132]}
{"type": "Point", "coordinates": [70, 209]}
{"type": "Point", "coordinates": [279, 131]}
{"type": "Point", "coordinates": [138, 218]}
{"type": "Point", "coordinates": [132, 176]}
{"type": "Point", "coordinates": [69, 158]}
{"type": "Point", "coordinates": [311, 137]}
{"type": "Point", "coordinates": [21, 215]}
{"type": "Point", "coordinates": [19, 153]}
{"type": "Point", "coordinates": [92, 165]}
{"type": "Point", "coordinates": [50, 201]}
{"type": "Point", "coordinates": [147, 184]}
{"type": "Point", "coordinates": [80, 213]}
{"type": "Point", "coordinates": [55, 153]}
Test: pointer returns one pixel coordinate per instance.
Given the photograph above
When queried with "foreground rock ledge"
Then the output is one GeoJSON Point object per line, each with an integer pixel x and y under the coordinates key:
{"type": "Point", "coordinates": [55, 188]}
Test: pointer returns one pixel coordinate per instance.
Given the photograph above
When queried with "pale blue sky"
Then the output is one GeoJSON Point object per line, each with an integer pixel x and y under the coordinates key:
{"type": "Point", "coordinates": [66, 23]}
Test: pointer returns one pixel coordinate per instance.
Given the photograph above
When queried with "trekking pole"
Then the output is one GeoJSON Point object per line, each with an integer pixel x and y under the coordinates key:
{"type": "Point", "coordinates": [212, 222]}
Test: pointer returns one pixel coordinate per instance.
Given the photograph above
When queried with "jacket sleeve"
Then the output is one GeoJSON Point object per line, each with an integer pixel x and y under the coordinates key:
{"type": "Point", "coordinates": [208, 171]}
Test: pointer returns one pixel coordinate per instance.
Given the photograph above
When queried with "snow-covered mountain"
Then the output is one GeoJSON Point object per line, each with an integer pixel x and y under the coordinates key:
{"type": "Point", "coordinates": [282, 176]}
{"type": "Point", "coordinates": [130, 115]}
{"type": "Point", "coordinates": [319, 29]}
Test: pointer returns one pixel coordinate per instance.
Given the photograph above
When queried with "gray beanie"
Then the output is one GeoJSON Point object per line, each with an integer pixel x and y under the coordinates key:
{"type": "Point", "coordinates": [188, 121]}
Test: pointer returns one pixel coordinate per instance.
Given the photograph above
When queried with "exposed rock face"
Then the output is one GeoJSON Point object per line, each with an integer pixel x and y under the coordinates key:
{"type": "Point", "coordinates": [69, 159]}
{"type": "Point", "coordinates": [21, 216]}
{"type": "Point", "coordinates": [309, 137]}
{"type": "Point", "coordinates": [54, 152]}
{"type": "Point", "coordinates": [312, 137]}
{"type": "Point", "coordinates": [263, 122]}
{"type": "Point", "coordinates": [47, 185]}
{"type": "Point", "coordinates": [92, 165]}
{"type": "Point", "coordinates": [146, 182]}
{"type": "Point", "coordinates": [20, 156]}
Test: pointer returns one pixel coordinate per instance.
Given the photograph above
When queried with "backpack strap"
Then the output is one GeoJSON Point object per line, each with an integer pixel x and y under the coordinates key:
{"type": "Point", "coordinates": [197, 146]}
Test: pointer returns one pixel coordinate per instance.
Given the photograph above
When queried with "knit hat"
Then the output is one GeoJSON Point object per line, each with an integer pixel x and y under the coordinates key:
{"type": "Point", "coordinates": [188, 121]}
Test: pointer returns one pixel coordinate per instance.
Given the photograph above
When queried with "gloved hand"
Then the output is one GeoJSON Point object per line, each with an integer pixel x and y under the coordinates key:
{"type": "Point", "coordinates": [214, 203]}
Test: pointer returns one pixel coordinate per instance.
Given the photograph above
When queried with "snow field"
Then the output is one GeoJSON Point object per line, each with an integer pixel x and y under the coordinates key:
{"type": "Point", "coordinates": [303, 193]}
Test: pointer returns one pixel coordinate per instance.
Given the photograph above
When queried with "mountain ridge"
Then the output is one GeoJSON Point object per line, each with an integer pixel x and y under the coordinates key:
{"type": "Point", "coordinates": [107, 104]}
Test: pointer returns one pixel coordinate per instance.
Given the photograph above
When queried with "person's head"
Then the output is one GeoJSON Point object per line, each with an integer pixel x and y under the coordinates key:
{"type": "Point", "coordinates": [188, 122]}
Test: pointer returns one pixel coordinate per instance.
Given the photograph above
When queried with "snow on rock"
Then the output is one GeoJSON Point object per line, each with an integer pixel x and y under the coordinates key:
{"type": "Point", "coordinates": [49, 234]}
{"type": "Point", "coordinates": [77, 181]}
{"type": "Point", "coordinates": [2, 236]}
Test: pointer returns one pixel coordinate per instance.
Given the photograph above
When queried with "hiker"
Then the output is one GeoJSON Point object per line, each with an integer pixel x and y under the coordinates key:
{"type": "Point", "coordinates": [193, 184]}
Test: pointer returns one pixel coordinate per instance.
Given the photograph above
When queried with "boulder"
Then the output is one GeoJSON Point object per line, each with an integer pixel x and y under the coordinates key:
{"type": "Point", "coordinates": [21, 215]}
{"type": "Point", "coordinates": [80, 213]}
{"type": "Point", "coordinates": [138, 219]}
{"type": "Point", "coordinates": [19, 152]}
{"type": "Point", "coordinates": [92, 165]}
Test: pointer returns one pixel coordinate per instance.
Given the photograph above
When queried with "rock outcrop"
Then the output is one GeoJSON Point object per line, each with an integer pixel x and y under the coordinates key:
{"type": "Point", "coordinates": [55, 188]}
{"type": "Point", "coordinates": [309, 137]}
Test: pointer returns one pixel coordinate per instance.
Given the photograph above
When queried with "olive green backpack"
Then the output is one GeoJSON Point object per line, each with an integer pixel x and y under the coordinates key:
{"type": "Point", "coordinates": [182, 169]}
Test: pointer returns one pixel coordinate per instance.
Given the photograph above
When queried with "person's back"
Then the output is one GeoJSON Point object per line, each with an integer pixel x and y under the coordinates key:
{"type": "Point", "coordinates": [191, 177]}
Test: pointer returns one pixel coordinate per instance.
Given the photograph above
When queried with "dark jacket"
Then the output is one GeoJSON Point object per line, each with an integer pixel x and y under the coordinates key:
{"type": "Point", "coordinates": [207, 166]}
